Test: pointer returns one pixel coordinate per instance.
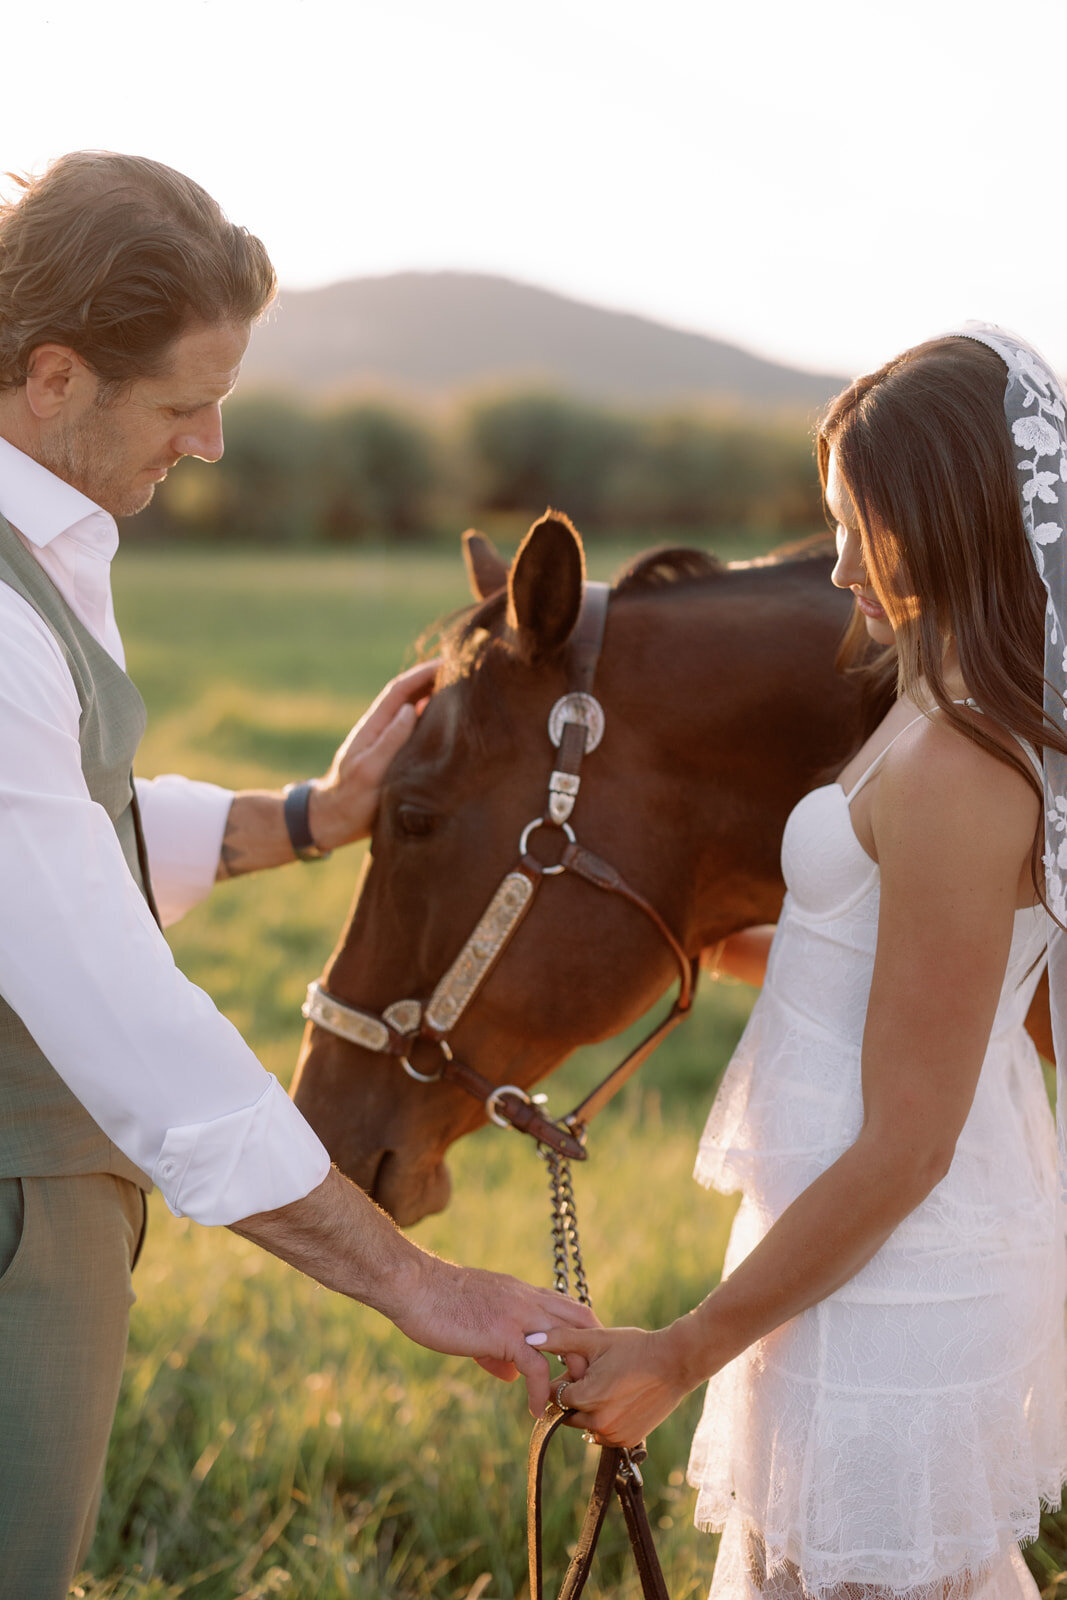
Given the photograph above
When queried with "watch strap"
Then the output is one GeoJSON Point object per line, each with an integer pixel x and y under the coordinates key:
{"type": "Point", "coordinates": [297, 797]}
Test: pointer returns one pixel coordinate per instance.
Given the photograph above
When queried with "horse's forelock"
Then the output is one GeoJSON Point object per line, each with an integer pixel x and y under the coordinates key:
{"type": "Point", "coordinates": [461, 638]}
{"type": "Point", "coordinates": [464, 641]}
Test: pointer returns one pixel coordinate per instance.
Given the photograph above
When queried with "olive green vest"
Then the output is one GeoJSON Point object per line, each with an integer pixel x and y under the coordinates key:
{"type": "Point", "coordinates": [45, 1131]}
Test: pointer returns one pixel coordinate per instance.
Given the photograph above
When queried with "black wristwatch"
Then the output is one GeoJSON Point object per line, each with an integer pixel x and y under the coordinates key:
{"type": "Point", "coordinates": [297, 799]}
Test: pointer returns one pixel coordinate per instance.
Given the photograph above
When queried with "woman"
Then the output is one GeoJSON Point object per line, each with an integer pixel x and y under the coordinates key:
{"type": "Point", "coordinates": [886, 1409]}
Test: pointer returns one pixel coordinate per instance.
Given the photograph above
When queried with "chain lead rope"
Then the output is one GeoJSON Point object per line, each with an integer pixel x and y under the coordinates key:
{"type": "Point", "coordinates": [623, 1463]}
{"type": "Point", "coordinates": [566, 1246]}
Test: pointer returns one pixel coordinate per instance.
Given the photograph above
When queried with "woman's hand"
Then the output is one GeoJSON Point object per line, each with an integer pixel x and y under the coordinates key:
{"type": "Point", "coordinates": [621, 1382]}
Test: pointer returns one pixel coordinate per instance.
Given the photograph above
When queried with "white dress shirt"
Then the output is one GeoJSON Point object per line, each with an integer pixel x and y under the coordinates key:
{"type": "Point", "coordinates": [166, 1076]}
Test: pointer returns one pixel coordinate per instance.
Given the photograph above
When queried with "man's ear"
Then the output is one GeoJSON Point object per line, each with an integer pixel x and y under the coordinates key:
{"type": "Point", "coordinates": [56, 376]}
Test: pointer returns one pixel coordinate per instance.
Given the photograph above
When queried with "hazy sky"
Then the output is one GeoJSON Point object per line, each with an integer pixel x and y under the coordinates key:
{"type": "Point", "coordinates": [821, 183]}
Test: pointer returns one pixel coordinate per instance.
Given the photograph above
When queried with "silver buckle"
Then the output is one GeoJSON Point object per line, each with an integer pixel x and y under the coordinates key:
{"type": "Point", "coordinates": [502, 1089]}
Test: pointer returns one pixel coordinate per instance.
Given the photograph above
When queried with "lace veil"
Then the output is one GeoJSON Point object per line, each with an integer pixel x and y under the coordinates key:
{"type": "Point", "coordinates": [1036, 414]}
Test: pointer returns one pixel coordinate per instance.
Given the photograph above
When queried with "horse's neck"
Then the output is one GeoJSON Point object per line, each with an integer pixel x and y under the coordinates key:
{"type": "Point", "coordinates": [743, 713]}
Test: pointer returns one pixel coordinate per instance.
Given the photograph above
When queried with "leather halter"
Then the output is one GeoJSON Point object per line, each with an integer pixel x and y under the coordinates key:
{"type": "Point", "coordinates": [576, 724]}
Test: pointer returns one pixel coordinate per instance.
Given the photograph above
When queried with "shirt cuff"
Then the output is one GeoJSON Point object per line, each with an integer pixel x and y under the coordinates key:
{"type": "Point", "coordinates": [256, 1159]}
{"type": "Point", "coordinates": [184, 822]}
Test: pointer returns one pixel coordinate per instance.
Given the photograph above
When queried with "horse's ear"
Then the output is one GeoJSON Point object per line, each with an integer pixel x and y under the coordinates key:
{"type": "Point", "coordinates": [545, 587]}
{"type": "Point", "coordinates": [487, 571]}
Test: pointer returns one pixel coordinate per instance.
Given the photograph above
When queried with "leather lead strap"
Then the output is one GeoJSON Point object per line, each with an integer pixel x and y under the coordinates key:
{"type": "Point", "coordinates": [610, 1086]}
{"type": "Point", "coordinates": [525, 1115]}
{"type": "Point", "coordinates": [632, 1500]}
{"type": "Point", "coordinates": [602, 875]}
{"type": "Point", "coordinates": [613, 1474]}
{"type": "Point", "coordinates": [581, 1562]}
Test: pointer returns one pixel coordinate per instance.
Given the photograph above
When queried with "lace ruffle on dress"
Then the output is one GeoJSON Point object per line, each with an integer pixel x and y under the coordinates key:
{"type": "Point", "coordinates": [897, 1438]}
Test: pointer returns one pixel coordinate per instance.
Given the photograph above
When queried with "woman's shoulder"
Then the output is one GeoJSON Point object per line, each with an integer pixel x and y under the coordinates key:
{"type": "Point", "coordinates": [933, 739]}
{"type": "Point", "coordinates": [937, 773]}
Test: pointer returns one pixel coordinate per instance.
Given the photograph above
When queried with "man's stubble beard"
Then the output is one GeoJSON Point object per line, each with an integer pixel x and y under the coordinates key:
{"type": "Point", "coordinates": [84, 457]}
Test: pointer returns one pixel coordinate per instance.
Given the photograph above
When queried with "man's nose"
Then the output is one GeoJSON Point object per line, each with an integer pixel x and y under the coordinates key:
{"type": "Point", "coordinates": [204, 438]}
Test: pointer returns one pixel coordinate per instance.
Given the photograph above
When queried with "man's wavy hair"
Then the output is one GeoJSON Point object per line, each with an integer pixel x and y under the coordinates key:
{"type": "Point", "coordinates": [115, 256]}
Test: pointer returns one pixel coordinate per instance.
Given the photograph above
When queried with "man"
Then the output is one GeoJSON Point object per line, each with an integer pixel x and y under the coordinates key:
{"type": "Point", "coordinates": [126, 301]}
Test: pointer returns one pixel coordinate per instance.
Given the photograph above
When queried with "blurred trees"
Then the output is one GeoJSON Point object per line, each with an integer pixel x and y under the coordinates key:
{"type": "Point", "coordinates": [533, 451]}
{"type": "Point", "coordinates": [370, 470]}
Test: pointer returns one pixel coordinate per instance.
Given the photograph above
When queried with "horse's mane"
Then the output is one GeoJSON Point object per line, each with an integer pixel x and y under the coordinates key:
{"type": "Point", "coordinates": [464, 638]}
{"type": "Point", "coordinates": [667, 565]}
{"type": "Point", "coordinates": [678, 566]}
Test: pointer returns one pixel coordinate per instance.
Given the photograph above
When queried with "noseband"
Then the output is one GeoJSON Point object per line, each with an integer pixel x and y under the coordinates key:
{"type": "Point", "coordinates": [575, 726]}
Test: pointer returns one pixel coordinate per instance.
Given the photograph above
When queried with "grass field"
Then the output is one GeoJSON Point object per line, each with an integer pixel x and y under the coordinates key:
{"type": "Point", "coordinates": [273, 1440]}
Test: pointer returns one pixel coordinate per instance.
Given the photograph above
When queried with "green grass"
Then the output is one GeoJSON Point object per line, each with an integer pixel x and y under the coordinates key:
{"type": "Point", "coordinates": [272, 1439]}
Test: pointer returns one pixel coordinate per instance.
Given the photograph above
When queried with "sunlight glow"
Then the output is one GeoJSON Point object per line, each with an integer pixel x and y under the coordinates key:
{"type": "Point", "coordinates": [823, 185]}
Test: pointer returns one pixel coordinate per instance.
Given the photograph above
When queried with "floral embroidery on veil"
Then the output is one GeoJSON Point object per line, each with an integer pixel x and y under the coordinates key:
{"type": "Point", "coordinates": [1035, 409]}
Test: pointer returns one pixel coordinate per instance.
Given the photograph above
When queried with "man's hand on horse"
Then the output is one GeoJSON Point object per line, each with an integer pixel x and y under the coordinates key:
{"type": "Point", "coordinates": [343, 804]}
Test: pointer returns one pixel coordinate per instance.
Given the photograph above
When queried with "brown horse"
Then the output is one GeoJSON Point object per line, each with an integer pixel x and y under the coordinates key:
{"type": "Point", "coordinates": [722, 708]}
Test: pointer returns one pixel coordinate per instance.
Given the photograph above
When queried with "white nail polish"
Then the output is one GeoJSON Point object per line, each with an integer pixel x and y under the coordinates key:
{"type": "Point", "coordinates": [536, 1338]}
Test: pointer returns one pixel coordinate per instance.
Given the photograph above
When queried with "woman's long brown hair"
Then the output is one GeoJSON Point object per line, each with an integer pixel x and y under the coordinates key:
{"type": "Point", "coordinates": [923, 447]}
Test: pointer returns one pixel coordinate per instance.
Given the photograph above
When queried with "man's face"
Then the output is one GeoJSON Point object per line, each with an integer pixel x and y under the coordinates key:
{"type": "Point", "coordinates": [117, 452]}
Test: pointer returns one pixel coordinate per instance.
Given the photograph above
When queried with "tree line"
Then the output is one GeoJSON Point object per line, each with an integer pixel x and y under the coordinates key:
{"type": "Point", "coordinates": [367, 470]}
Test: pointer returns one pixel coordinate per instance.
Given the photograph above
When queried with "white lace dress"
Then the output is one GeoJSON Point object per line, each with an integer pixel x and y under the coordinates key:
{"type": "Point", "coordinates": [897, 1438]}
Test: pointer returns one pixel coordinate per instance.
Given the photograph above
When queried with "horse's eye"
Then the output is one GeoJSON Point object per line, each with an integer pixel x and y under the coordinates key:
{"type": "Point", "coordinates": [415, 823]}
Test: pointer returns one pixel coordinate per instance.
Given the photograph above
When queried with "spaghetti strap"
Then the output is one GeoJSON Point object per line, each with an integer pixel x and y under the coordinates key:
{"type": "Point", "coordinates": [1025, 746]}
{"type": "Point", "coordinates": [870, 771]}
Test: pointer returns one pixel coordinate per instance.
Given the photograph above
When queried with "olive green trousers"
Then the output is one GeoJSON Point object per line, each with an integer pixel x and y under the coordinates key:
{"type": "Point", "coordinates": [67, 1247]}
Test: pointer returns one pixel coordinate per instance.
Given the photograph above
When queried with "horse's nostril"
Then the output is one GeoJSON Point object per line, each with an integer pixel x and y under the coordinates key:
{"type": "Point", "coordinates": [407, 1191]}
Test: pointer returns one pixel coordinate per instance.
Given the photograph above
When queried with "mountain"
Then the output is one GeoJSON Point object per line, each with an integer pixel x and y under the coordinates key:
{"type": "Point", "coordinates": [429, 334]}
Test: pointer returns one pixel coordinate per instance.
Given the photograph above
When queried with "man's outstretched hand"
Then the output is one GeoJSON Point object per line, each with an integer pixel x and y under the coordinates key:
{"type": "Point", "coordinates": [488, 1315]}
{"type": "Point", "coordinates": [341, 805]}
{"type": "Point", "coordinates": [342, 1239]}
{"type": "Point", "coordinates": [344, 803]}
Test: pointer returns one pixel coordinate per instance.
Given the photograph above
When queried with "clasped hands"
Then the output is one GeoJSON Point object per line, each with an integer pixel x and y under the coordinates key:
{"type": "Point", "coordinates": [622, 1382]}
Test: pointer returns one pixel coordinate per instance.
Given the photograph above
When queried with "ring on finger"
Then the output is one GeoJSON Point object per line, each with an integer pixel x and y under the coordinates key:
{"type": "Point", "coordinates": [563, 1406]}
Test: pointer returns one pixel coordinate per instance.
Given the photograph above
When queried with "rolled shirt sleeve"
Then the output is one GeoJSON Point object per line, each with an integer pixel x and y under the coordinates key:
{"type": "Point", "coordinates": [183, 823]}
{"type": "Point", "coordinates": [165, 1075]}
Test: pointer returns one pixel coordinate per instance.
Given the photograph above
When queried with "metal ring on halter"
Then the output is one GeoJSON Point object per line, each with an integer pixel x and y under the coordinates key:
{"type": "Point", "coordinates": [542, 822]}
{"type": "Point", "coordinates": [428, 1077]}
{"type": "Point", "coordinates": [491, 1100]}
